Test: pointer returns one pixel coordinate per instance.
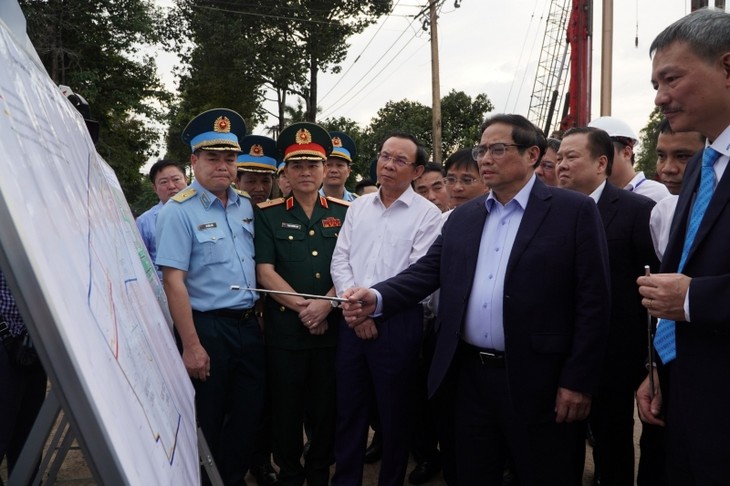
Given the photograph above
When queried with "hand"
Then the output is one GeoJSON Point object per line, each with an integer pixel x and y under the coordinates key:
{"type": "Point", "coordinates": [319, 329]}
{"type": "Point", "coordinates": [648, 404]}
{"type": "Point", "coordinates": [664, 294]}
{"type": "Point", "coordinates": [361, 304]}
{"type": "Point", "coordinates": [196, 361]}
{"type": "Point", "coordinates": [367, 330]}
{"type": "Point", "coordinates": [571, 406]}
{"type": "Point", "coordinates": [313, 312]}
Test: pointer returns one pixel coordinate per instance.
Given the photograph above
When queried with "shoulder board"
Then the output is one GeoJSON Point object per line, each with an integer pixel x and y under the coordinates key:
{"type": "Point", "coordinates": [184, 195]}
{"type": "Point", "coordinates": [341, 202]}
{"type": "Point", "coordinates": [270, 203]}
{"type": "Point", "coordinates": [242, 193]}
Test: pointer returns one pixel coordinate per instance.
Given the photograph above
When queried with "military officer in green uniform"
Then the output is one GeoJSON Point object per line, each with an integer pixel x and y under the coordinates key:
{"type": "Point", "coordinates": [295, 238]}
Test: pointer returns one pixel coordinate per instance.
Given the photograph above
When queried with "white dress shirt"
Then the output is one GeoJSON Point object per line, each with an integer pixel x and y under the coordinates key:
{"type": "Point", "coordinates": [484, 325]}
{"type": "Point", "coordinates": [647, 187]}
{"type": "Point", "coordinates": [660, 223]}
{"type": "Point", "coordinates": [376, 242]}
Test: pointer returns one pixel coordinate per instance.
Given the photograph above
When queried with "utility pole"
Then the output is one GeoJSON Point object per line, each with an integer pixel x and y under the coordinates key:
{"type": "Point", "coordinates": [607, 58]}
{"type": "Point", "coordinates": [435, 83]}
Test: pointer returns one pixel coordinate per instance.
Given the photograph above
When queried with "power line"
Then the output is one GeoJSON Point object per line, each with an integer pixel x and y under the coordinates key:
{"type": "Point", "coordinates": [378, 62]}
{"type": "Point", "coordinates": [359, 55]}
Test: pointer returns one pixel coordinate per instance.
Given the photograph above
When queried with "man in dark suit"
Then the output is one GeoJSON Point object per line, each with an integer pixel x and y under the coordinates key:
{"type": "Point", "coordinates": [690, 73]}
{"type": "Point", "coordinates": [524, 306]}
{"type": "Point", "coordinates": [585, 160]}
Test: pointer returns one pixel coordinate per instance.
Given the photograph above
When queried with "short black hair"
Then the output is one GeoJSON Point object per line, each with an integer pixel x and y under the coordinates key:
{"type": "Point", "coordinates": [524, 132]}
{"type": "Point", "coordinates": [363, 184]}
{"type": "Point", "coordinates": [433, 167]}
{"type": "Point", "coordinates": [161, 164]}
{"type": "Point", "coordinates": [599, 143]}
{"type": "Point", "coordinates": [421, 156]}
{"type": "Point", "coordinates": [666, 129]}
{"type": "Point", "coordinates": [461, 159]}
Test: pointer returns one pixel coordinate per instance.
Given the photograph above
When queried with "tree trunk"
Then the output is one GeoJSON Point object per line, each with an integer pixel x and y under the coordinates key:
{"type": "Point", "coordinates": [311, 99]}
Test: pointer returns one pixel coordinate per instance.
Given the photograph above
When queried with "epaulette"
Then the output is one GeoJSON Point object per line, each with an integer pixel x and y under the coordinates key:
{"type": "Point", "coordinates": [270, 203]}
{"type": "Point", "coordinates": [341, 202]}
{"type": "Point", "coordinates": [242, 193]}
{"type": "Point", "coordinates": [184, 195]}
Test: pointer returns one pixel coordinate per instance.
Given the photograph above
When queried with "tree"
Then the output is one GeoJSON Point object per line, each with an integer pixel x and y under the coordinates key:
{"type": "Point", "coordinates": [97, 48]}
{"type": "Point", "coordinates": [646, 158]}
{"type": "Point", "coordinates": [461, 116]}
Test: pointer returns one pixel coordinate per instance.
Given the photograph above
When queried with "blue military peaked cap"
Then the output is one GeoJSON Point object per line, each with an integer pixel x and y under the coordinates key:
{"type": "Point", "coordinates": [259, 154]}
{"type": "Point", "coordinates": [343, 147]}
{"type": "Point", "coordinates": [216, 129]}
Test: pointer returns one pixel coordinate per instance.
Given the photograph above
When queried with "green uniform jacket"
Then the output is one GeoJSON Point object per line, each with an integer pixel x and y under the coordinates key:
{"type": "Point", "coordinates": [301, 251]}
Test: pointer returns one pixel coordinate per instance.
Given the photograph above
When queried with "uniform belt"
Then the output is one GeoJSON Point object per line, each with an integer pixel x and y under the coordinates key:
{"type": "Point", "coordinates": [487, 357]}
{"type": "Point", "coordinates": [237, 314]}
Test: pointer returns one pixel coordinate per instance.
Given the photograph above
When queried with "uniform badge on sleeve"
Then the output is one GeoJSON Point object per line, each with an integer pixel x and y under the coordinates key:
{"type": "Point", "coordinates": [331, 222]}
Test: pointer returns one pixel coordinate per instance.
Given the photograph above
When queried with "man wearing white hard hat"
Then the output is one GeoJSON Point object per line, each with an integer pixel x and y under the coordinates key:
{"type": "Point", "coordinates": [624, 175]}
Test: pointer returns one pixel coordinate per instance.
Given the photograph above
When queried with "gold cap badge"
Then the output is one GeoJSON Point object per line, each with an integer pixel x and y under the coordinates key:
{"type": "Point", "coordinates": [303, 136]}
{"type": "Point", "coordinates": [256, 150]}
{"type": "Point", "coordinates": [222, 125]}
{"type": "Point", "coordinates": [336, 142]}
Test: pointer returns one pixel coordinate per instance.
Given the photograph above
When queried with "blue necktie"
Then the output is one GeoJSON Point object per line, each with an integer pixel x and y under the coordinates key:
{"type": "Point", "coordinates": [665, 341]}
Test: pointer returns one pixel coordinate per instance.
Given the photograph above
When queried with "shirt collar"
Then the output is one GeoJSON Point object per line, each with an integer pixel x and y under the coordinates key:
{"type": "Point", "coordinates": [596, 194]}
{"type": "Point", "coordinates": [722, 144]}
{"type": "Point", "coordinates": [520, 198]}
{"type": "Point", "coordinates": [406, 196]}
{"type": "Point", "coordinates": [207, 198]}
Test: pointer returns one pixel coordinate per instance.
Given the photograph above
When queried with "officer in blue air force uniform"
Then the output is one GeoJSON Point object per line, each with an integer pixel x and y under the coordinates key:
{"type": "Point", "coordinates": [337, 167]}
{"type": "Point", "coordinates": [295, 238]}
{"type": "Point", "coordinates": [205, 245]}
{"type": "Point", "coordinates": [257, 167]}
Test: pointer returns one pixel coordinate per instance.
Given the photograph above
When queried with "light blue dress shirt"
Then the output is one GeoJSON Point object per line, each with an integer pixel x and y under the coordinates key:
{"type": "Point", "coordinates": [349, 197]}
{"type": "Point", "coordinates": [146, 223]}
{"type": "Point", "coordinates": [484, 326]}
{"type": "Point", "coordinates": [213, 244]}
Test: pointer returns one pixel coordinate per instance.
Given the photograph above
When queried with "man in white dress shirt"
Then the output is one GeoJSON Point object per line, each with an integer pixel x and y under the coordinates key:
{"type": "Point", "coordinates": [383, 233]}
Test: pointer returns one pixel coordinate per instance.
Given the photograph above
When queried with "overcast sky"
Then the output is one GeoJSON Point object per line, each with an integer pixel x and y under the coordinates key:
{"type": "Point", "coordinates": [487, 47]}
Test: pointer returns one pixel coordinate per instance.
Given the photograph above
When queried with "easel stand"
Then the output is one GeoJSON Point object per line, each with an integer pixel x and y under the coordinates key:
{"type": "Point", "coordinates": [33, 467]}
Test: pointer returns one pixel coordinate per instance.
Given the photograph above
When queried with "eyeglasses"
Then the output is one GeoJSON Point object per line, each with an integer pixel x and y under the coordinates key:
{"type": "Point", "coordinates": [496, 149]}
{"type": "Point", "coordinates": [398, 160]}
{"type": "Point", "coordinates": [547, 166]}
{"type": "Point", "coordinates": [465, 181]}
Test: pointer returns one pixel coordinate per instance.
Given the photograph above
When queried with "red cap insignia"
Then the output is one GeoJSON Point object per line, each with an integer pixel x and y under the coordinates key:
{"type": "Point", "coordinates": [256, 150]}
{"type": "Point", "coordinates": [222, 125]}
{"type": "Point", "coordinates": [304, 136]}
{"type": "Point", "coordinates": [336, 142]}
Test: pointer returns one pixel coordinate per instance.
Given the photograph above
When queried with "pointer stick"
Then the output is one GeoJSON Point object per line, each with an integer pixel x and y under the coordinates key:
{"type": "Point", "coordinates": [649, 335]}
{"type": "Point", "coordinates": [294, 294]}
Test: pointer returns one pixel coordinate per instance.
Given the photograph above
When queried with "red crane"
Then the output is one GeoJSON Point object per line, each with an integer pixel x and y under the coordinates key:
{"type": "Point", "coordinates": [579, 90]}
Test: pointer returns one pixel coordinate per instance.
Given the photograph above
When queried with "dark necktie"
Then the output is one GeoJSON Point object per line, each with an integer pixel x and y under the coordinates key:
{"type": "Point", "coordinates": [665, 341]}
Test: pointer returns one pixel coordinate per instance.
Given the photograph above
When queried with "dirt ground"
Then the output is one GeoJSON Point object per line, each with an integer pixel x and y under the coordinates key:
{"type": "Point", "coordinates": [74, 470]}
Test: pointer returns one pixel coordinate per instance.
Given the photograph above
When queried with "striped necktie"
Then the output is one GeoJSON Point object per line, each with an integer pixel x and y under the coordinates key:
{"type": "Point", "coordinates": [665, 341]}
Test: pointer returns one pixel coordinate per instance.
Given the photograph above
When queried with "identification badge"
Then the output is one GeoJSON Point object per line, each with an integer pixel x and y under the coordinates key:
{"type": "Point", "coordinates": [247, 220]}
{"type": "Point", "coordinates": [206, 226]}
{"type": "Point", "coordinates": [291, 226]}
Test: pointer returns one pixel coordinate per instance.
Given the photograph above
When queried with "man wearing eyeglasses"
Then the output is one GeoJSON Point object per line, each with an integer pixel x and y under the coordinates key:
{"type": "Point", "coordinates": [462, 178]}
{"type": "Point", "coordinates": [523, 273]}
{"type": "Point", "coordinates": [545, 170]}
{"type": "Point", "coordinates": [384, 233]}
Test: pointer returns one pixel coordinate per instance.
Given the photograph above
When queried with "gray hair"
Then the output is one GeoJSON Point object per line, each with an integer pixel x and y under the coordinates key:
{"type": "Point", "coordinates": [706, 32]}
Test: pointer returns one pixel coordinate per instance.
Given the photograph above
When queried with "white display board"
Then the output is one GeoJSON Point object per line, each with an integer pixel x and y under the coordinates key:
{"type": "Point", "coordinates": [84, 282]}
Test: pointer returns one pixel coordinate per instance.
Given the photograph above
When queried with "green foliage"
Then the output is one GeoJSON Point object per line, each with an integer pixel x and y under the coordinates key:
{"type": "Point", "coordinates": [97, 49]}
{"type": "Point", "coordinates": [646, 158]}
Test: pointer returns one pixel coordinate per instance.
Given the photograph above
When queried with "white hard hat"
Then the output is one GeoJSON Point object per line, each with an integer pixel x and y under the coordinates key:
{"type": "Point", "coordinates": [614, 127]}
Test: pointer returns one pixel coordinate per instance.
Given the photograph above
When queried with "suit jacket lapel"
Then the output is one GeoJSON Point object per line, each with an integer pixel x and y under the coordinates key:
{"type": "Point", "coordinates": [470, 237]}
{"type": "Point", "coordinates": [691, 181]}
{"type": "Point", "coordinates": [607, 204]}
{"type": "Point", "coordinates": [719, 201]}
{"type": "Point", "coordinates": [537, 208]}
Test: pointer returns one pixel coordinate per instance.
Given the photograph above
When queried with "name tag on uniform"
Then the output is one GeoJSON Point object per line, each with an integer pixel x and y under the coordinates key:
{"type": "Point", "coordinates": [331, 222]}
{"type": "Point", "coordinates": [205, 226]}
{"type": "Point", "coordinates": [247, 220]}
{"type": "Point", "coordinates": [291, 226]}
